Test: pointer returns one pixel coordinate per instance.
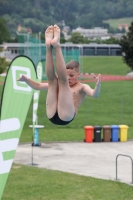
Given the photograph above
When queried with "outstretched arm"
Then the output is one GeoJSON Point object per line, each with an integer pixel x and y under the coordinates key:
{"type": "Point", "coordinates": [33, 84]}
{"type": "Point", "coordinates": [96, 91]}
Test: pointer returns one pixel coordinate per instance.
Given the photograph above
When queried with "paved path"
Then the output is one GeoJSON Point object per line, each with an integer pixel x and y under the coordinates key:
{"type": "Point", "coordinates": [88, 159]}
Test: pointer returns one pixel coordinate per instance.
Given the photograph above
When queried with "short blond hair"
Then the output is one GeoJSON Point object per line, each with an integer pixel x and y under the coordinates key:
{"type": "Point", "coordinates": [73, 64]}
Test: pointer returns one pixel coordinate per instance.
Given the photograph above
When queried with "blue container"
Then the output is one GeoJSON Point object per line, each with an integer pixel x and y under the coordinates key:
{"type": "Point", "coordinates": [115, 133]}
{"type": "Point", "coordinates": [36, 137]}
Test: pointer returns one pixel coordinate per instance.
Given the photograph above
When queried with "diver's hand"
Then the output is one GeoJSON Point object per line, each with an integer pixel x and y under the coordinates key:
{"type": "Point", "coordinates": [22, 78]}
{"type": "Point", "coordinates": [97, 78]}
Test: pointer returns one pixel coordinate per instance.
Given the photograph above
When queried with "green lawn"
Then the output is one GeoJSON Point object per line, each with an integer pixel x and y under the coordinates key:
{"type": "Point", "coordinates": [29, 183]}
{"type": "Point", "coordinates": [114, 22]}
{"type": "Point", "coordinates": [104, 65]}
{"type": "Point", "coordinates": [113, 106]}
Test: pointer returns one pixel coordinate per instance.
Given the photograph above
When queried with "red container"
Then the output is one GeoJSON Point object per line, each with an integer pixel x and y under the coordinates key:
{"type": "Point", "coordinates": [89, 133]}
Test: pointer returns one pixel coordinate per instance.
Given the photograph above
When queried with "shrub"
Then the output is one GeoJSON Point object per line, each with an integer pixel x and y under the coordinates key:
{"type": "Point", "coordinates": [3, 65]}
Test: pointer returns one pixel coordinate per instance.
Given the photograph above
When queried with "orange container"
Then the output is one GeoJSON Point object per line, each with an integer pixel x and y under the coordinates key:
{"type": "Point", "coordinates": [89, 133]}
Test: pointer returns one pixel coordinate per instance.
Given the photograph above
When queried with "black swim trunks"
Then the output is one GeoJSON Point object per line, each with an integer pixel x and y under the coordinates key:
{"type": "Point", "coordinates": [56, 120]}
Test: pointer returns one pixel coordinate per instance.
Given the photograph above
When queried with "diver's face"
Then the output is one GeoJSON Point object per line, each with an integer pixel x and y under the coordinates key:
{"type": "Point", "coordinates": [72, 76]}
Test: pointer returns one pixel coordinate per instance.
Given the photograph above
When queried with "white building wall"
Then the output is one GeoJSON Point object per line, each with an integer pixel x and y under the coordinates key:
{"type": "Point", "coordinates": [96, 32]}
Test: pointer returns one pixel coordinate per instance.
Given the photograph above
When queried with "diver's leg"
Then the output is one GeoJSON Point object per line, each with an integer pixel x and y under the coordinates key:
{"type": "Point", "coordinates": [65, 107]}
{"type": "Point", "coordinates": [51, 101]}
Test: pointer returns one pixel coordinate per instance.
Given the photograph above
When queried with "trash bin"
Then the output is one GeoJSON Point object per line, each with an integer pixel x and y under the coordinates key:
{"type": "Point", "coordinates": [97, 133]}
{"type": "Point", "coordinates": [88, 133]}
{"type": "Point", "coordinates": [106, 133]}
{"type": "Point", "coordinates": [115, 133]}
{"type": "Point", "coordinates": [123, 133]}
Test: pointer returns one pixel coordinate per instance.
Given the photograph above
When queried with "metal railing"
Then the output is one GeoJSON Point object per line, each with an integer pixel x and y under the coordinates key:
{"type": "Point", "coordinates": [117, 166]}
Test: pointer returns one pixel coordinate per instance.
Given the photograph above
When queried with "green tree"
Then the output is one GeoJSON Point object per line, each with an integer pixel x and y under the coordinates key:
{"type": "Point", "coordinates": [39, 14]}
{"type": "Point", "coordinates": [3, 65]}
{"type": "Point", "coordinates": [62, 40]}
{"type": "Point", "coordinates": [127, 47]}
{"type": "Point", "coordinates": [4, 33]}
{"type": "Point", "coordinates": [111, 41]}
{"type": "Point", "coordinates": [77, 38]}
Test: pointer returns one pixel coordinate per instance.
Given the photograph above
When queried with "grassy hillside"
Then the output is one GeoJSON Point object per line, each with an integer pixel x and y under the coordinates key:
{"type": "Point", "coordinates": [39, 14]}
{"type": "Point", "coordinates": [114, 22]}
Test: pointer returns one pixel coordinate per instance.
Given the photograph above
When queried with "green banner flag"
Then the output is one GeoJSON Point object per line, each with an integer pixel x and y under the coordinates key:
{"type": "Point", "coordinates": [15, 102]}
{"type": "Point", "coordinates": [37, 93]}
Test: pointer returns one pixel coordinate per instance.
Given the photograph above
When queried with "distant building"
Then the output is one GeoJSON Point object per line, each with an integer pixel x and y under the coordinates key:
{"type": "Point", "coordinates": [93, 49]}
{"type": "Point", "coordinates": [118, 36]}
{"type": "Point", "coordinates": [65, 32]}
{"type": "Point", "coordinates": [95, 33]}
{"type": "Point", "coordinates": [123, 26]}
{"type": "Point", "coordinates": [24, 29]}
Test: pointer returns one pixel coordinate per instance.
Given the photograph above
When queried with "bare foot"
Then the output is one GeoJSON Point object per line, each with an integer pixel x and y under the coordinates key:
{"type": "Point", "coordinates": [49, 34]}
{"type": "Point", "coordinates": [56, 40]}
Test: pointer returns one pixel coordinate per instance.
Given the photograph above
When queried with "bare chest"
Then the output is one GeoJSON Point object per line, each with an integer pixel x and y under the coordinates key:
{"type": "Point", "coordinates": [78, 95]}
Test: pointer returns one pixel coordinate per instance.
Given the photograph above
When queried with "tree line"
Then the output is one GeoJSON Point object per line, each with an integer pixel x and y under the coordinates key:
{"type": "Point", "coordinates": [126, 43]}
{"type": "Point", "coordinates": [38, 14]}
